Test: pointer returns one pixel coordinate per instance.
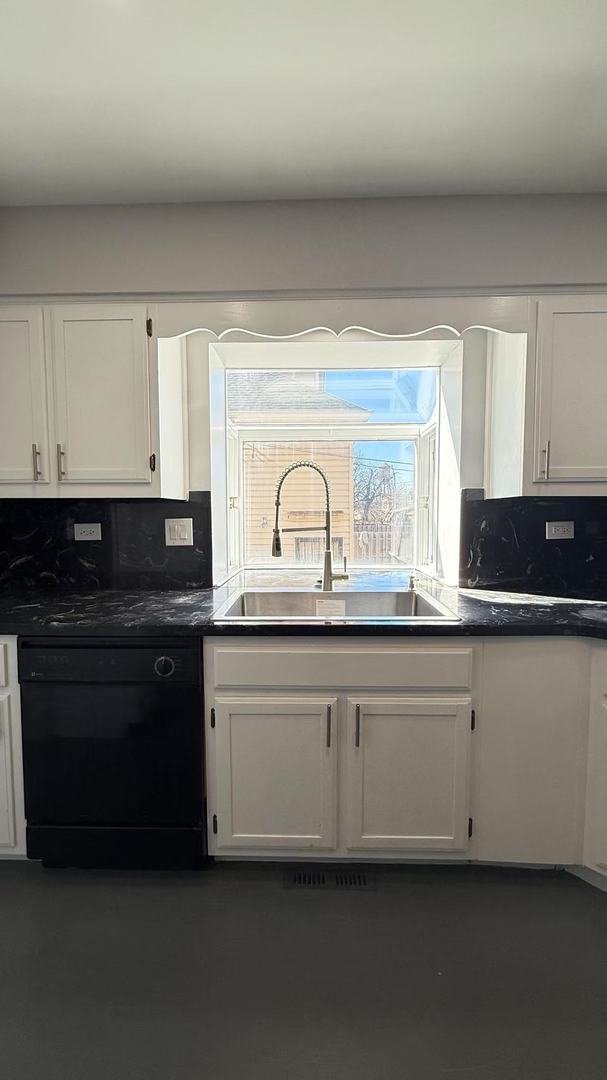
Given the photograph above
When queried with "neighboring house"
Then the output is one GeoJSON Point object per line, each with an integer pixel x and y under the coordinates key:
{"type": "Point", "coordinates": [293, 400]}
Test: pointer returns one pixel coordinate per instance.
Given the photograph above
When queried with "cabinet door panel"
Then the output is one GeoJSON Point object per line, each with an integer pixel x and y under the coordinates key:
{"type": "Point", "coordinates": [23, 418]}
{"type": "Point", "coordinates": [408, 773]}
{"type": "Point", "coordinates": [102, 393]}
{"type": "Point", "coordinates": [275, 772]}
{"type": "Point", "coordinates": [572, 389]}
{"type": "Point", "coordinates": [7, 822]}
{"type": "Point", "coordinates": [531, 750]}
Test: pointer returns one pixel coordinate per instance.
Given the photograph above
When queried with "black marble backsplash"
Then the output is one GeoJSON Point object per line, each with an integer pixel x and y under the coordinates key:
{"type": "Point", "coordinates": [38, 549]}
{"type": "Point", "coordinates": [504, 546]}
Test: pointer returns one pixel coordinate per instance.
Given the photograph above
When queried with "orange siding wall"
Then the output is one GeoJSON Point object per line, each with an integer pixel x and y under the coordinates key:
{"type": "Point", "coordinates": [302, 497]}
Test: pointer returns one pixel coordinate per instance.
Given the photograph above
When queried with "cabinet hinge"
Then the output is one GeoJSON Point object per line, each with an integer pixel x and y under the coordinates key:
{"type": "Point", "coordinates": [470, 827]}
{"type": "Point", "coordinates": [472, 719]}
{"type": "Point", "coordinates": [215, 824]}
{"type": "Point", "coordinates": [212, 717]}
{"type": "Point", "coordinates": [149, 327]}
{"type": "Point", "coordinates": [152, 462]}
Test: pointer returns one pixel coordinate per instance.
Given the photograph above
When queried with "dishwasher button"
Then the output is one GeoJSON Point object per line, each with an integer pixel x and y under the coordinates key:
{"type": "Point", "coordinates": [164, 666]}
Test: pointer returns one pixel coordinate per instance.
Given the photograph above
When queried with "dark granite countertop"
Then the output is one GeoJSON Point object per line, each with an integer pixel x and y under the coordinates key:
{"type": "Point", "coordinates": [123, 612]}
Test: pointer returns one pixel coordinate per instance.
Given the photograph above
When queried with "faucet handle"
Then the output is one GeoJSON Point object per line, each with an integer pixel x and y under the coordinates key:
{"type": "Point", "coordinates": [344, 576]}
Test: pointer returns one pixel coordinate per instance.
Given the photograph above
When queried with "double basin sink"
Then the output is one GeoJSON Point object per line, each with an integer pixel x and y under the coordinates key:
{"type": "Point", "coordinates": [270, 605]}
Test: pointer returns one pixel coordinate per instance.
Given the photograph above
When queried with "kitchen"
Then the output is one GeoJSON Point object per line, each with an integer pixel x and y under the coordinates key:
{"type": "Point", "coordinates": [303, 616]}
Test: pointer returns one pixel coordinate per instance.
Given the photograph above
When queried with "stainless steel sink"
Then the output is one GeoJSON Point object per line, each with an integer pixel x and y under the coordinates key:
{"type": "Point", "coordinates": [294, 606]}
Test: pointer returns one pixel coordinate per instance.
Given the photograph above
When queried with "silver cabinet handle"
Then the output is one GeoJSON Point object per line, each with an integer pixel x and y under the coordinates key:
{"type": "Point", "coordinates": [328, 726]}
{"type": "Point", "coordinates": [36, 461]}
{"type": "Point", "coordinates": [60, 461]}
{"type": "Point", "coordinates": [546, 456]}
{"type": "Point", "coordinates": [357, 729]}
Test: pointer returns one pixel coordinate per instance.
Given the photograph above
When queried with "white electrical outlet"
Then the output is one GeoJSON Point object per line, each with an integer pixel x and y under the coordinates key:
{"type": "Point", "coordinates": [179, 532]}
{"type": "Point", "coordinates": [87, 530]}
{"type": "Point", "coordinates": [560, 530]}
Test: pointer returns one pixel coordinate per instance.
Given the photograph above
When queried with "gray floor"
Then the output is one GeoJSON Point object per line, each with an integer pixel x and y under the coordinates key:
{"type": "Point", "coordinates": [437, 974]}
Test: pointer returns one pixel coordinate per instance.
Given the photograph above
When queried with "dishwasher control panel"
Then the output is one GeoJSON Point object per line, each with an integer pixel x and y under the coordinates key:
{"type": "Point", "coordinates": [101, 662]}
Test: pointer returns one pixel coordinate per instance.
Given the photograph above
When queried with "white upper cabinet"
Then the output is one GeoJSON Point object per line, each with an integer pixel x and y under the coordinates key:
{"type": "Point", "coordinates": [571, 390]}
{"type": "Point", "coordinates": [110, 420]}
{"type": "Point", "coordinates": [24, 443]}
{"type": "Point", "coordinates": [408, 773]}
{"type": "Point", "coordinates": [101, 385]}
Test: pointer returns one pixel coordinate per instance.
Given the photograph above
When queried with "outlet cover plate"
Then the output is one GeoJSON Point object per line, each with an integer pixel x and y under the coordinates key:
{"type": "Point", "coordinates": [179, 532]}
{"type": "Point", "coordinates": [87, 530]}
{"type": "Point", "coordinates": [560, 530]}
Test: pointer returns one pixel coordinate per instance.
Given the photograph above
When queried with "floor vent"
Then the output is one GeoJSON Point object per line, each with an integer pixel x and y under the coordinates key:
{"type": "Point", "coordinates": [328, 879]}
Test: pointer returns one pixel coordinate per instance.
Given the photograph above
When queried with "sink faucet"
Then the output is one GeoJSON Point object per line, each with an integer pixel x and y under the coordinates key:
{"type": "Point", "coordinates": [328, 576]}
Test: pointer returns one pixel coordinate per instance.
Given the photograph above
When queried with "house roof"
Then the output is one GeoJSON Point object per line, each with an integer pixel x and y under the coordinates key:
{"type": "Point", "coordinates": [264, 392]}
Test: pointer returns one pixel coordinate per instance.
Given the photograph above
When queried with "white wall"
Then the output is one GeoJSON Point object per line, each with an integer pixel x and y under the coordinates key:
{"type": "Point", "coordinates": [415, 244]}
{"type": "Point", "coordinates": [449, 464]}
{"type": "Point", "coordinates": [474, 376]}
{"type": "Point", "coordinates": [505, 411]}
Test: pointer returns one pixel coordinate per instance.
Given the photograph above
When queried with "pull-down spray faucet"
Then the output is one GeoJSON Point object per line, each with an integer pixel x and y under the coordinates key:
{"type": "Point", "coordinates": [328, 577]}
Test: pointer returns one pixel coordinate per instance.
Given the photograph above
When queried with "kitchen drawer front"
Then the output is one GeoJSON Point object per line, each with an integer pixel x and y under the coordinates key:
{"type": "Point", "coordinates": [350, 666]}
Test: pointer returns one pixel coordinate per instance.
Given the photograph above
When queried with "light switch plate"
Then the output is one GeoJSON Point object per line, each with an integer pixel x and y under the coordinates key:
{"type": "Point", "coordinates": [87, 530]}
{"type": "Point", "coordinates": [179, 532]}
{"type": "Point", "coordinates": [560, 530]}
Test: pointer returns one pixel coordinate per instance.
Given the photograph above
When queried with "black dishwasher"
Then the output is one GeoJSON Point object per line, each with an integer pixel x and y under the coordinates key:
{"type": "Point", "coordinates": [112, 747]}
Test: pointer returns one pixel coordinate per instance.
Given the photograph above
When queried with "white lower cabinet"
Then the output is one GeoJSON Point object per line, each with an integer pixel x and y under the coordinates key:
{"type": "Point", "coordinates": [595, 839]}
{"type": "Point", "coordinates": [7, 813]}
{"type": "Point", "coordinates": [333, 770]}
{"type": "Point", "coordinates": [408, 773]}
{"type": "Point", "coordinates": [531, 750]}
{"type": "Point", "coordinates": [420, 749]}
{"type": "Point", "coordinates": [275, 772]}
{"type": "Point", "coordinates": [12, 814]}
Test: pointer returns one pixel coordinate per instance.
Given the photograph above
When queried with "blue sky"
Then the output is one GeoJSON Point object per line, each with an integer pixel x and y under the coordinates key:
{"type": "Point", "coordinates": [392, 396]}
{"type": "Point", "coordinates": [400, 455]}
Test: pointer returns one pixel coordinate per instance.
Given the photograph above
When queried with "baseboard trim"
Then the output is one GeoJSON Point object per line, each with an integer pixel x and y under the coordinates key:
{"type": "Point", "coordinates": [591, 877]}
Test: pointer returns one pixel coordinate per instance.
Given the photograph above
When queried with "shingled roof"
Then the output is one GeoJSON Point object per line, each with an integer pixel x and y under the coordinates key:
{"type": "Point", "coordinates": [268, 391]}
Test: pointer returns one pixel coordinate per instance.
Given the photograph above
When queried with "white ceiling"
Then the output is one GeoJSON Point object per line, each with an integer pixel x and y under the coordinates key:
{"type": "Point", "coordinates": [126, 101]}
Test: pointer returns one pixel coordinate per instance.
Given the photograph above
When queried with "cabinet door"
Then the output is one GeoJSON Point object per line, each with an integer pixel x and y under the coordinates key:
{"type": "Point", "coordinates": [407, 763]}
{"type": "Point", "coordinates": [530, 758]}
{"type": "Point", "coordinates": [23, 419]}
{"type": "Point", "coordinates": [275, 772]}
{"type": "Point", "coordinates": [102, 394]}
{"type": "Point", "coordinates": [7, 820]}
{"type": "Point", "coordinates": [571, 390]}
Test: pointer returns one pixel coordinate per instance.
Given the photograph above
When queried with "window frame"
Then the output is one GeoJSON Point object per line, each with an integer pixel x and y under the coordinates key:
{"type": "Point", "coordinates": [317, 356]}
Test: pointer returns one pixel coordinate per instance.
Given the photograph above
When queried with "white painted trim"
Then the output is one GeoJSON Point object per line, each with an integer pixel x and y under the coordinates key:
{"type": "Point", "coordinates": [386, 432]}
{"type": "Point", "coordinates": [168, 296]}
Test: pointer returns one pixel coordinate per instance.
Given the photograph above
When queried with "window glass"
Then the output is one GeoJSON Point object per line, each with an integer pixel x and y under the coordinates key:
{"type": "Point", "coordinates": [362, 429]}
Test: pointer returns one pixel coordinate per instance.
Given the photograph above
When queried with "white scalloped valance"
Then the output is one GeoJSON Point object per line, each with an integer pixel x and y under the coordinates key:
{"type": "Point", "coordinates": [354, 333]}
{"type": "Point", "coordinates": [344, 320]}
